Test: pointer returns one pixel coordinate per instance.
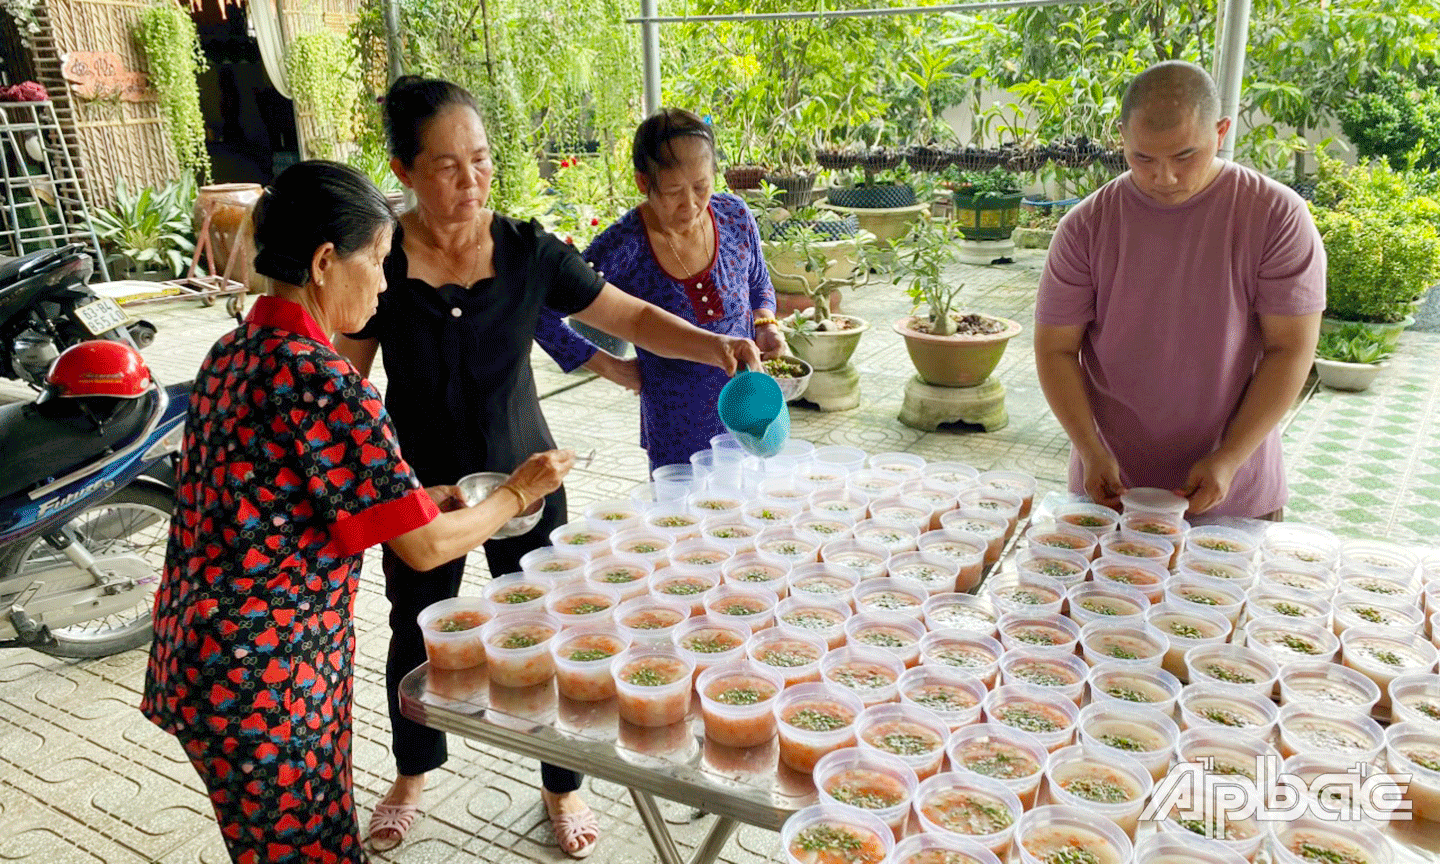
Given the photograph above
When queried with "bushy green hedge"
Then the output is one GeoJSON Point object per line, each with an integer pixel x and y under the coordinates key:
{"type": "Point", "coordinates": [1397, 121]}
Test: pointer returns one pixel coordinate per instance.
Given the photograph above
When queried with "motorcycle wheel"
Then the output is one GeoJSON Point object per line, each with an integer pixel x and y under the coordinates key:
{"type": "Point", "coordinates": [135, 520]}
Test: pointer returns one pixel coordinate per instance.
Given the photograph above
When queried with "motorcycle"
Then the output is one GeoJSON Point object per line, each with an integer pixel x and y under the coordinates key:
{"type": "Point", "coordinates": [83, 528]}
{"type": "Point", "coordinates": [45, 307]}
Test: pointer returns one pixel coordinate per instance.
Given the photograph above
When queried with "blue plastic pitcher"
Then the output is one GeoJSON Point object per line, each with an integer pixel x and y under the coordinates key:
{"type": "Point", "coordinates": [752, 407]}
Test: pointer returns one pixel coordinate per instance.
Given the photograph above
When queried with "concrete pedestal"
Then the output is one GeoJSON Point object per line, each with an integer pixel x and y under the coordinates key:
{"type": "Point", "coordinates": [984, 252]}
{"type": "Point", "coordinates": [834, 389]}
{"type": "Point", "coordinates": [927, 407]}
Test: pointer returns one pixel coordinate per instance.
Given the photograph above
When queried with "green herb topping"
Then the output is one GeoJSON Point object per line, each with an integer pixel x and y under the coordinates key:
{"type": "Point", "coordinates": [587, 655]}
{"type": "Point", "coordinates": [816, 720]}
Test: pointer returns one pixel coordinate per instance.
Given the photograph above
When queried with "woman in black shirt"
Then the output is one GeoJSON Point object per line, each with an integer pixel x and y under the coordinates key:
{"type": "Point", "coordinates": [466, 286]}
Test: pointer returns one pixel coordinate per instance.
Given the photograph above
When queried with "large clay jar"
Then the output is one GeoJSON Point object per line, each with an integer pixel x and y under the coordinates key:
{"type": "Point", "coordinates": [229, 205]}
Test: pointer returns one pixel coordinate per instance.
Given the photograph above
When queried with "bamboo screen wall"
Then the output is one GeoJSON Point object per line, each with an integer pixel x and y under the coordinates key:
{"type": "Point", "coordinates": [110, 139]}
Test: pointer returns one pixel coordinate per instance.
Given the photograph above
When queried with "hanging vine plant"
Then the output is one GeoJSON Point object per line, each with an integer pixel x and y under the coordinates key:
{"type": "Point", "coordinates": [171, 47]}
{"type": "Point", "coordinates": [320, 70]}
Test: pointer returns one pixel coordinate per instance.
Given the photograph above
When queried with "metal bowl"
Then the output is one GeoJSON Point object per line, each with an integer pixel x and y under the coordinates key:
{"type": "Point", "coordinates": [475, 488]}
{"type": "Point", "coordinates": [791, 388]}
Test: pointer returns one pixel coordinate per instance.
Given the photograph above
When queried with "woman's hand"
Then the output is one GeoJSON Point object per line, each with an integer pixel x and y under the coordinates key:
{"type": "Point", "coordinates": [541, 474]}
{"type": "Point", "coordinates": [770, 341]}
{"type": "Point", "coordinates": [619, 370]}
{"type": "Point", "coordinates": [736, 354]}
{"type": "Point", "coordinates": [446, 498]}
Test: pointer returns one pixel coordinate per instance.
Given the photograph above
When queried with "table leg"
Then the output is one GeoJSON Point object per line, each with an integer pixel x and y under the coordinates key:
{"type": "Point", "coordinates": [709, 848]}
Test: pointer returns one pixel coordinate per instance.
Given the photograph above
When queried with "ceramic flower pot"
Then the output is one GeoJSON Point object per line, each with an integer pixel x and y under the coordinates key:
{"type": "Point", "coordinates": [1387, 333]}
{"type": "Point", "coordinates": [825, 350]}
{"type": "Point", "coordinates": [988, 217]}
{"type": "Point", "coordinates": [959, 360]}
{"type": "Point", "coordinates": [1347, 376]}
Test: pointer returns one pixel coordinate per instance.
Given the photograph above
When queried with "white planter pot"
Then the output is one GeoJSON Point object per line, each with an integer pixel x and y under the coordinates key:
{"type": "Point", "coordinates": [1346, 376]}
{"type": "Point", "coordinates": [784, 263]}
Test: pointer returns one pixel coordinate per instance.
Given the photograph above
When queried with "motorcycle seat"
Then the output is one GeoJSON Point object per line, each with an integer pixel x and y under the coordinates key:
{"type": "Point", "coordinates": [41, 442]}
{"type": "Point", "coordinates": [15, 269]}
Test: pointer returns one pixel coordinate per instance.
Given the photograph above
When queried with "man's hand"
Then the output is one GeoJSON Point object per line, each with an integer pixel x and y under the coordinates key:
{"type": "Point", "coordinates": [770, 342]}
{"type": "Point", "coordinates": [1209, 481]}
{"type": "Point", "coordinates": [1102, 478]}
{"type": "Point", "coordinates": [618, 370]}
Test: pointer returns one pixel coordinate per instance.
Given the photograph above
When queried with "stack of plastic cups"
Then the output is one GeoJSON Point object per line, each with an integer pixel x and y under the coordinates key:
{"type": "Point", "coordinates": [673, 482]}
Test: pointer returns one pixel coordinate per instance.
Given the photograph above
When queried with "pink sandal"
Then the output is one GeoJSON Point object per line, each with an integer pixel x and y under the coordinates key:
{"type": "Point", "coordinates": [391, 817]}
{"type": "Point", "coordinates": [576, 833]}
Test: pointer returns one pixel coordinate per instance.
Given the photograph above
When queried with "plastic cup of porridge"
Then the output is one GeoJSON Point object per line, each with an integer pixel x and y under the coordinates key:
{"type": "Point", "coordinates": [878, 783]}
{"type": "Point", "coordinates": [978, 808]}
{"type": "Point", "coordinates": [1381, 585]}
{"type": "Point", "coordinates": [628, 575]}
{"type": "Point", "coordinates": [1307, 840]}
{"type": "Point", "coordinates": [891, 594]}
{"type": "Point", "coordinates": [716, 501]}
{"type": "Point", "coordinates": [1095, 518]}
{"type": "Point", "coordinates": [672, 519]}
{"type": "Point", "coordinates": [967, 550]}
{"type": "Point", "coordinates": [873, 484]}
{"type": "Point", "coordinates": [557, 565]}
{"type": "Point", "coordinates": [737, 701]}
{"type": "Point", "coordinates": [1140, 733]}
{"type": "Point", "coordinates": [957, 475]}
{"type": "Point", "coordinates": [914, 735]}
{"type": "Point", "coordinates": [673, 482]}
{"type": "Point", "coordinates": [1104, 781]}
{"type": "Point", "coordinates": [729, 533]}
{"type": "Point", "coordinates": [1067, 568]}
{"type": "Point", "coordinates": [1305, 544]}
{"type": "Point", "coordinates": [988, 526]}
{"type": "Point", "coordinates": [813, 720]}
{"type": "Point", "coordinates": [1414, 749]}
{"type": "Point", "coordinates": [1238, 575]}
{"type": "Point", "coordinates": [1064, 674]}
{"type": "Point", "coordinates": [965, 613]}
{"type": "Point", "coordinates": [1149, 527]}
{"type": "Point", "coordinates": [941, 497]}
{"type": "Point", "coordinates": [1415, 698]}
{"type": "Point", "coordinates": [787, 488]}
{"type": "Point", "coordinates": [613, 516]}
{"type": "Point", "coordinates": [1186, 626]}
{"type": "Point", "coordinates": [1214, 594]}
{"type": "Point", "coordinates": [1061, 535]}
{"type": "Point", "coordinates": [754, 570]}
{"type": "Point", "coordinates": [971, 654]}
{"type": "Point", "coordinates": [821, 528]}
{"type": "Point", "coordinates": [937, 573]}
{"type": "Point", "coordinates": [830, 581]}
{"type": "Point", "coordinates": [1026, 594]}
{"type": "Point", "coordinates": [1102, 601]}
{"type": "Point", "coordinates": [794, 656]}
{"type": "Point", "coordinates": [582, 537]}
{"type": "Point", "coordinates": [839, 456]}
{"type": "Point", "coordinates": [766, 513]}
{"type": "Point", "coordinates": [1381, 654]}
{"type": "Point", "coordinates": [1147, 577]}
{"type": "Point", "coordinates": [1058, 834]}
{"type": "Point", "coordinates": [708, 641]}
{"type": "Point", "coordinates": [1126, 545]}
{"type": "Point", "coordinates": [1232, 666]}
{"type": "Point", "coordinates": [1171, 847]}
{"type": "Point", "coordinates": [1016, 482]}
{"type": "Point", "coordinates": [517, 646]}
{"type": "Point", "coordinates": [1222, 544]}
{"type": "Point", "coordinates": [651, 546]}
{"type": "Point", "coordinates": [1381, 557]}
{"type": "Point", "coordinates": [1318, 731]}
{"type": "Point", "coordinates": [517, 592]}
{"type": "Point", "coordinates": [1286, 640]}
{"type": "Point", "coordinates": [1329, 687]}
{"type": "Point", "coordinates": [815, 615]}
{"type": "Point", "coordinates": [647, 620]}
{"type": "Point", "coordinates": [582, 603]}
{"type": "Point", "coordinates": [1263, 601]}
{"type": "Point", "coordinates": [894, 537]}
{"type": "Point", "coordinates": [1310, 580]}
{"type": "Point", "coordinates": [1127, 684]}
{"type": "Point", "coordinates": [1358, 609]}
{"type": "Point", "coordinates": [784, 543]}
{"type": "Point", "coordinates": [1060, 635]}
{"type": "Point", "coordinates": [1001, 502]}
{"type": "Point", "coordinates": [903, 465]}
{"type": "Point", "coordinates": [452, 630]}
{"type": "Point", "coordinates": [953, 696]}
{"type": "Point", "coordinates": [582, 657]}
{"type": "Point", "coordinates": [893, 633]}
{"type": "Point", "coordinates": [1209, 836]}
{"type": "Point", "coordinates": [1219, 753]}
{"type": "Point", "coordinates": [689, 587]}
{"type": "Point", "coordinates": [903, 509]}
{"type": "Point", "coordinates": [753, 608]}
{"type": "Point", "coordinates": [941, 849]}
{"type": "Point", "coordinates": [653, 685]}
{"type": "Point", "coordinates": [697, 556]}
{"type": "Point", "coordinates": [1228, 709]}
{"type": "Point", "coordinates": [829, 834]}
{"type": "Point", "coordinates": [1000, 753]}
{"type": "Point", "coordinates": [870, 673]}
{"type": "Point", "coordinates": [1044, 715]}
{"type": "Point", "coordinates": [866, 560]}
{"type": "Point", "coordinates": [839, 504]}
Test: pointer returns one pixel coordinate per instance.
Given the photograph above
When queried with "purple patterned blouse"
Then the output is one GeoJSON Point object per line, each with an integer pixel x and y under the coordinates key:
{"type": "Point", "coordinates": [677, 397]}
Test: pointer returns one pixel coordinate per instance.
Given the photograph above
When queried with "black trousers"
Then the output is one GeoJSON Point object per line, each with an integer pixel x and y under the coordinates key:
{"type": "Point", "coordinates": [417, 748]}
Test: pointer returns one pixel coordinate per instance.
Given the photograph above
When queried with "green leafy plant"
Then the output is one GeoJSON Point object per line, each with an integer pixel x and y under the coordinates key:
{"type": "Point", "coordinates": [919, 261]}
{"type": "Point", "coordinates": [322, 79]}
{"type": "Point", "coordinates": [171, 46]}
{"type": "Point", "coordinates": [150, 230]}
{"type": "Point", "coordinates": [1395, 120]}
{"type": "Point", "coordinates": [373, 159]}
{"type": "Point", "coordinates": [1353, 343]}
{"type": "Point", "coordinates": [987, 184]}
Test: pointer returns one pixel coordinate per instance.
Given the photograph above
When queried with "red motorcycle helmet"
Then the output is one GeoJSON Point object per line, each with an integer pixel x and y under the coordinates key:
{"type": "Point", "coordinates": [100, 367]}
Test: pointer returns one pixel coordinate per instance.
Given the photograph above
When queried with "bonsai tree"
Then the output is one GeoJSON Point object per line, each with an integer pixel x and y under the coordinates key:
{"type": "Point", "coordinates": [918, 261]}
{"type": "Point", "coordinates": [800, 238]}
{"type": "Point", "coordinates": [1352, 343]}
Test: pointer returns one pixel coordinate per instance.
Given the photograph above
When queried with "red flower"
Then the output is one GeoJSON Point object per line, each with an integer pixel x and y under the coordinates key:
{"type": "Point", "coordinates": [594, 221]}
{"type": "Point", "coordinates": [564, 163]}
{"type": "Point", "coordinates": [569, 239]}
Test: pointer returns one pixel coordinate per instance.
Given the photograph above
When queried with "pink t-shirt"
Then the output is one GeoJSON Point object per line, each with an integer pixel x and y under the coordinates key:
{"type": "Point", "coordinates": [1172, 295]}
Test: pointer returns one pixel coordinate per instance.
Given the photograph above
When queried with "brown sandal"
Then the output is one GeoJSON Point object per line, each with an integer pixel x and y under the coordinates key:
{"type": "Point", "coordinates": [391, 817]}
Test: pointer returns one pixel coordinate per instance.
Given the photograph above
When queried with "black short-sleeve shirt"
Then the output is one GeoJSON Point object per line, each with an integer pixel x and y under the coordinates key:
{"type": "Point", "coordinates": [461, 392]}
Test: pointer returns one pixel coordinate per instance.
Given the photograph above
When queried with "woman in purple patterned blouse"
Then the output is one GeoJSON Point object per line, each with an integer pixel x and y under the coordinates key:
{"type": "Point", "coordinates": [691, 252]}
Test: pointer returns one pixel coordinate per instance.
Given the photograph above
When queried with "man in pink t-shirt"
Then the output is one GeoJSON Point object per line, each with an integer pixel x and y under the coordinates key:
{"type": "Point", "coordinates": [1178, 311]}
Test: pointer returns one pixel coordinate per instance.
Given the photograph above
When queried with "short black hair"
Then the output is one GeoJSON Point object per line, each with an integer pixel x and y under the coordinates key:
{"type": "Point", "coordinates": [652, 151]}
{"type": "Point", "coordinates": [411, 103]}
{"type": "Point", "coordinates": [310, 204]}
{"type": "Point", "coordinates": [1170, 93]}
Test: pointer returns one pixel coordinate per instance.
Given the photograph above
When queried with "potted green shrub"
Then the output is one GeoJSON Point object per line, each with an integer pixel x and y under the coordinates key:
{"type": "Point", "coordinates": [949, 348]}
{"type": "Point", "coordinates": [873, 190]}
{"type": "Point", "coordinates": [802, 246]}
{"type": "Point", "coordinates": [826, 340]}
{"type": "Point", "coordinates": [1350, 357]}
{"type": "Point", "coordinates": [148, 234]}
{"type": "Point", "coordinates": [987, 204]}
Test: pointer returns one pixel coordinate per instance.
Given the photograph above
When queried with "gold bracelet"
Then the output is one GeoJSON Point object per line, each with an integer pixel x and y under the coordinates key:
{"type": "Point", "coordinates": [765, 317]}
{"type": "Point", "coordinates": [520, 496]}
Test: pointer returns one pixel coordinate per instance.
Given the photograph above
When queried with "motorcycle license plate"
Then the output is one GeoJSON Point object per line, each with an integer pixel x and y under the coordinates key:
{"type": "Point", "coordinates": [101, 315]}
